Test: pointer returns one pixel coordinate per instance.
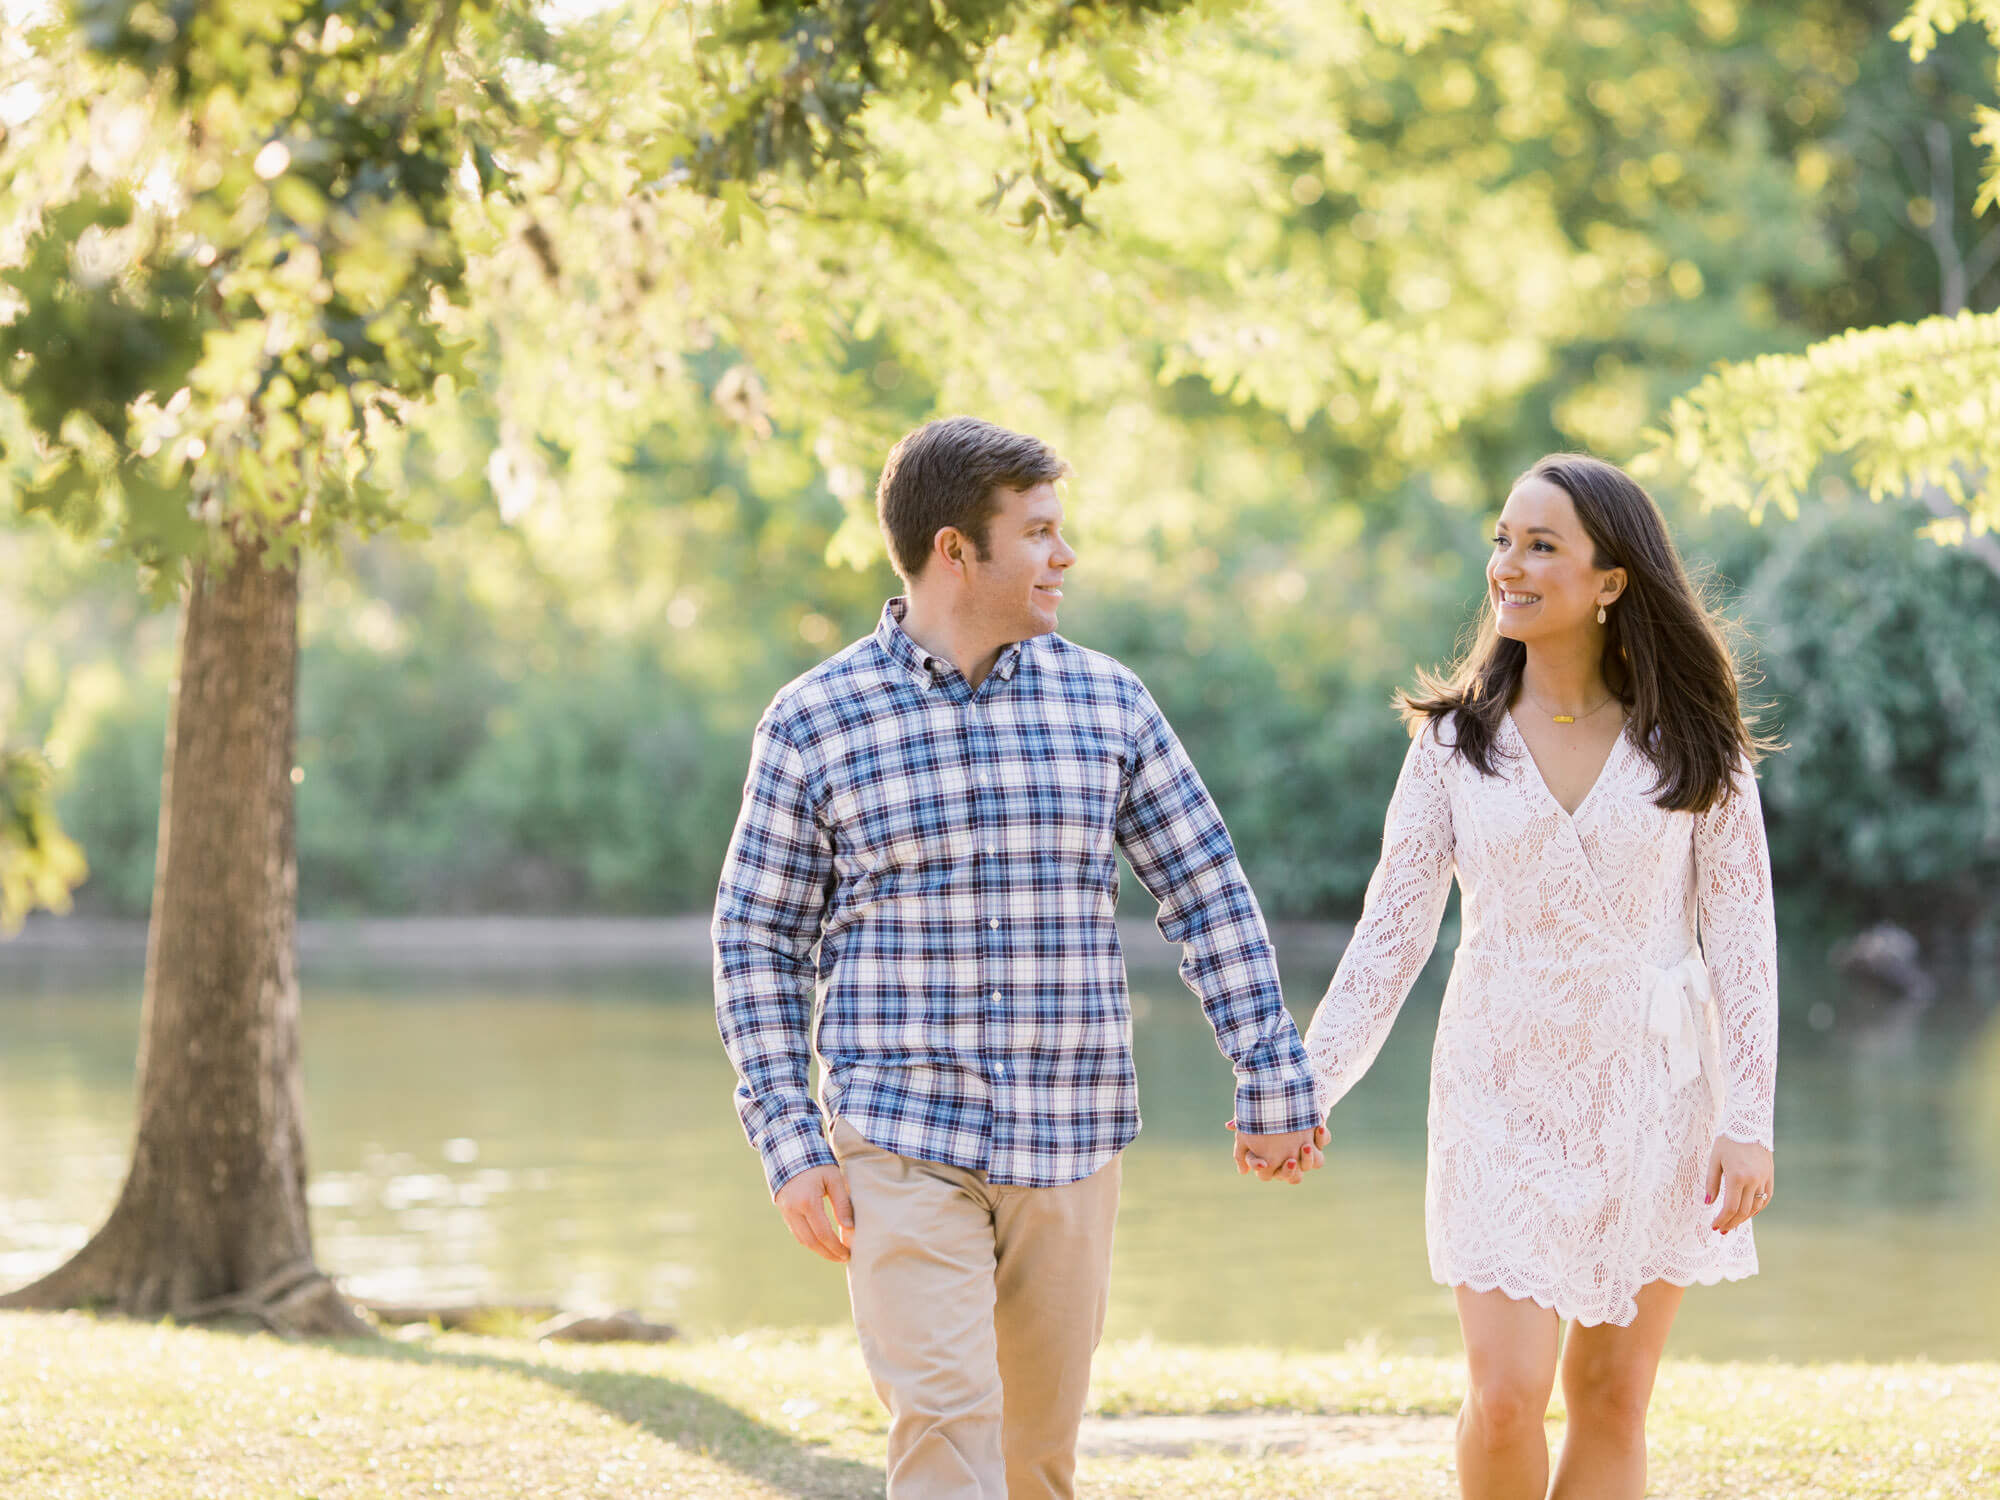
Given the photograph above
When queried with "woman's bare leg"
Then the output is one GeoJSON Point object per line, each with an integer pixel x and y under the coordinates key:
{"type": "Point", "coordinates": [1607, 1376]}
{"type": "Point", "coordinates": [1510, 1356]}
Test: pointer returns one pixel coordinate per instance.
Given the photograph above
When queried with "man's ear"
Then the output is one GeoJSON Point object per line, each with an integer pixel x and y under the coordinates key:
{"type": "Point", "coordinates": [948, 550]}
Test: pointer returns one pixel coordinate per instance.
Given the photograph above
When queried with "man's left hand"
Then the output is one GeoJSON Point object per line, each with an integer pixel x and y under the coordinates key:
{"type": "Point", "coordinates": [1287, 1157]}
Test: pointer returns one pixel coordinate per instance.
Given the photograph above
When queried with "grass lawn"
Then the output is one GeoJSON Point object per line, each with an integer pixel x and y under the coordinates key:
{"type": "Point", "coordinates": [139, 1412]}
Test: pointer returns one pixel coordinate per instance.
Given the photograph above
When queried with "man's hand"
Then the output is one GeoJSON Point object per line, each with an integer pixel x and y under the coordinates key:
{"type": "Point", "coordinates": [803, 1201]}
{"type": "Point", "coordinates": [1288, 1156]}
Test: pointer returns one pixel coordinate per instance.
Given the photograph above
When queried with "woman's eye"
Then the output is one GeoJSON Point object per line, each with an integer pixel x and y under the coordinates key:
{"type": "Point", "coordinates": [1499, 541]}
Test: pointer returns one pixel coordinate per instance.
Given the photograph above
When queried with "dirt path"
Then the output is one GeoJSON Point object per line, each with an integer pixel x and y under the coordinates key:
{"type": "Point", "coordinates": [1251, 1434]}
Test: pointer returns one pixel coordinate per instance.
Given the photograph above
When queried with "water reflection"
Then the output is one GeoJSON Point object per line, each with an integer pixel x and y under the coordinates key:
{"type": "Point", "coordinates": [575, 1142]}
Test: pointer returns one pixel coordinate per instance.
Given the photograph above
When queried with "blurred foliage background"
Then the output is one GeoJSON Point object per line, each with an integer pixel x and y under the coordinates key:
{"type": "Point", "coordinates": [1339, 290]}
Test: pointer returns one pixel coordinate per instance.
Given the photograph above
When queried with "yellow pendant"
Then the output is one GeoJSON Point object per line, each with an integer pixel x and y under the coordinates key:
{"type": "Point", "coordinates": [1564, 718]}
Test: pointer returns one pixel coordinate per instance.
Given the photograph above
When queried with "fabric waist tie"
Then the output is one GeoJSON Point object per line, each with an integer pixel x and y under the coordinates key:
{"type": "Point", "coordinates": [1680, 1006]}
{"type": "Point", "coordinates": [1677, 1001]}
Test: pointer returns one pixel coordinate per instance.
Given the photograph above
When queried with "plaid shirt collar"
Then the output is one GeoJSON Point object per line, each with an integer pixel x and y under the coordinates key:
{"type": "Point", "coordinates": [925, 668]}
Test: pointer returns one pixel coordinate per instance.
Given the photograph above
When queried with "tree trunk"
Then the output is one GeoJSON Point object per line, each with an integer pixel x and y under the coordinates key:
{"type": "Point", "coordinates": [212, 1219]}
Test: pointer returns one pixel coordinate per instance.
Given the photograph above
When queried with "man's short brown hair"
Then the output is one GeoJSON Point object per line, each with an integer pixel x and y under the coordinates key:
{"type": "Point", "coordinates": [945, 474]}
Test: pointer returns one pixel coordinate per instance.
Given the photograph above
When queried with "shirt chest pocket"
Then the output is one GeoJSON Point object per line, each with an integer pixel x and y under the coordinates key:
{"type": "Point", "coordinates": [1053, 808]}
{"type": "Point", "coordinates": [883, 825]}
{"type": "Point", "coordinates": [1011, 791]}
{"type": "Point", "coordinates": [1065, 809]}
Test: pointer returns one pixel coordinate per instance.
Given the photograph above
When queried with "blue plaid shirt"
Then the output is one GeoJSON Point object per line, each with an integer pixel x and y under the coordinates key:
{"type": "Point", "coordinates": [951, 851]}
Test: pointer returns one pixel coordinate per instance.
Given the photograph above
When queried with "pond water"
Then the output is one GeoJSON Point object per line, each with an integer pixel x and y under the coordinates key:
{"type": "Point", "coordinates": [573, 1138]}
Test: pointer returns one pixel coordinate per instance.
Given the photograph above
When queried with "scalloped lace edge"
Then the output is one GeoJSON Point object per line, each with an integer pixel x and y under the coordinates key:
{"type": "Point", "coordinates": [1680, 1279]}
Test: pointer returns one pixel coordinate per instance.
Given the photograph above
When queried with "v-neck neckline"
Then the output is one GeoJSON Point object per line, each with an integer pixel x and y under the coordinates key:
{"type": "Point", "coordinates": [1570, 814]}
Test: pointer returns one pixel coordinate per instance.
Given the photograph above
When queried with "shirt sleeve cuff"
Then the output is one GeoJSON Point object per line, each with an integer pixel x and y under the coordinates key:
{"type": "Point", "coordinates": [1277, 1102]}
{"type": "Point", "coordinates": [793, 1146]}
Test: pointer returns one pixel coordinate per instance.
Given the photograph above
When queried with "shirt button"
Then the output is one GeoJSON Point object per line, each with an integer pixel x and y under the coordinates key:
{"type": "Point", "coordinates": [996, 997]}
{"type": "Point", "coordinates": [993, 922]}
{"type": "Point", "coordinates": [1000, 1070]}
{"type": "Point", "coordinates": [990, 849]}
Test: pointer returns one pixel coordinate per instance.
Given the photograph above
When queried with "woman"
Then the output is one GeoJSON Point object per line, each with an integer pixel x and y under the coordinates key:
{"type": "Point", "coordinates": [1601, 1087]}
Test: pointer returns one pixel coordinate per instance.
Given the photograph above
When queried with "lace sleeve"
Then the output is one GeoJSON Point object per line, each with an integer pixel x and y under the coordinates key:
{"type": "Point", "coordinates": [1398, 927]}
{"type": "Point", "coordinates": [1739, 937]}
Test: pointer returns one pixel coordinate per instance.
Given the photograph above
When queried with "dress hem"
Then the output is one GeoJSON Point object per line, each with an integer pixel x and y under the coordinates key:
{"type": "Point", "coordinates": [1554, 1302]}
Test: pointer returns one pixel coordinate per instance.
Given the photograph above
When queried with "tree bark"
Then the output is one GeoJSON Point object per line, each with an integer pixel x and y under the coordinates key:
{"type": "Point", "coordinates": [212, 1219]}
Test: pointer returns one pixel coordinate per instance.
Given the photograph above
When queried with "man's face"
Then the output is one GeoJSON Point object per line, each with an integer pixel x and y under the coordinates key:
{"type": "Point", "coordinates": [1016, 588]}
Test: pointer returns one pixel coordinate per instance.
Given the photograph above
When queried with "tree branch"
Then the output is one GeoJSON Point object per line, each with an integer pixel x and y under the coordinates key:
{"type": "Point", "coordinates": [447, 20]}
{"type": "Point", "coordinates": [1985, 255]}
{"type": "Point", "coordinates": [1941, 231]}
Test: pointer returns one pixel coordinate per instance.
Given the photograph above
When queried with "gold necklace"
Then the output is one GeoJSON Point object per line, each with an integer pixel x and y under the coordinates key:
{"type": "Point", "coordinates": [1567, 718]}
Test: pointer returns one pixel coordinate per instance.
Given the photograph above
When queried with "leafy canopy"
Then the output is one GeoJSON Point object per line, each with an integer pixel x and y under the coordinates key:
{"type": "Point", "coordinates": [244, 247]}
{"type": "Point", "coordinates": [237, 238]}
{"type": "Point", "coordinates": [1910, 408]}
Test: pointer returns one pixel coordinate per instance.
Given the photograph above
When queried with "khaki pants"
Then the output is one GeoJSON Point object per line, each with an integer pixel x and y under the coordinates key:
{"type": "Point", "coordinates": [978, 1307]}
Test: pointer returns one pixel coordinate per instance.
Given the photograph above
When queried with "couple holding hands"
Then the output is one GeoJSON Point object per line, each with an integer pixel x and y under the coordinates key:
{"type": "Point", "coordinates": [921, 888]}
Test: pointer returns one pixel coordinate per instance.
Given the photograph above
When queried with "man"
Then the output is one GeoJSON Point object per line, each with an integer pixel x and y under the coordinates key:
{"type": "Point", "coordinates": [938, 811]}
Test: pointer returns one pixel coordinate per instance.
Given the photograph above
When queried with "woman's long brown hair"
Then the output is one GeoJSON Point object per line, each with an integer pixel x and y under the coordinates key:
{"type": "Point", "coordinates": [1664, 654]}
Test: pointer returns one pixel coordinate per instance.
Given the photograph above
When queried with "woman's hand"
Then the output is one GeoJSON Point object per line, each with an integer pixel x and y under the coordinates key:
{"type": "Point", "coordinates": [1740, 1175]}
{"type": "Point", "coordinates": [1286, 1158]}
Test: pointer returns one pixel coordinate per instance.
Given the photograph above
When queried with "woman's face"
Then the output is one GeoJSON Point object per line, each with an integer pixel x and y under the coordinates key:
{"type": "Point", "coordinates": [1542, 576]}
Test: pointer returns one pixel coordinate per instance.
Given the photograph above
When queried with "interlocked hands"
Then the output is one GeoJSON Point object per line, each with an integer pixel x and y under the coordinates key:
{"type": "Point", "coordinates": [1285, 1157]}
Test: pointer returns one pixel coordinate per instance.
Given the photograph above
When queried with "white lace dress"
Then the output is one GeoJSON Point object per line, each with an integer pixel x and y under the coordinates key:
{"type": "Point", "coordinates": [1589, 1051]}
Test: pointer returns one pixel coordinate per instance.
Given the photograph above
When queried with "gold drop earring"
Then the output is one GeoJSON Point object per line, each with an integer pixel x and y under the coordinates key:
{"type": "Point", "coordinates": [1600, 614]}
